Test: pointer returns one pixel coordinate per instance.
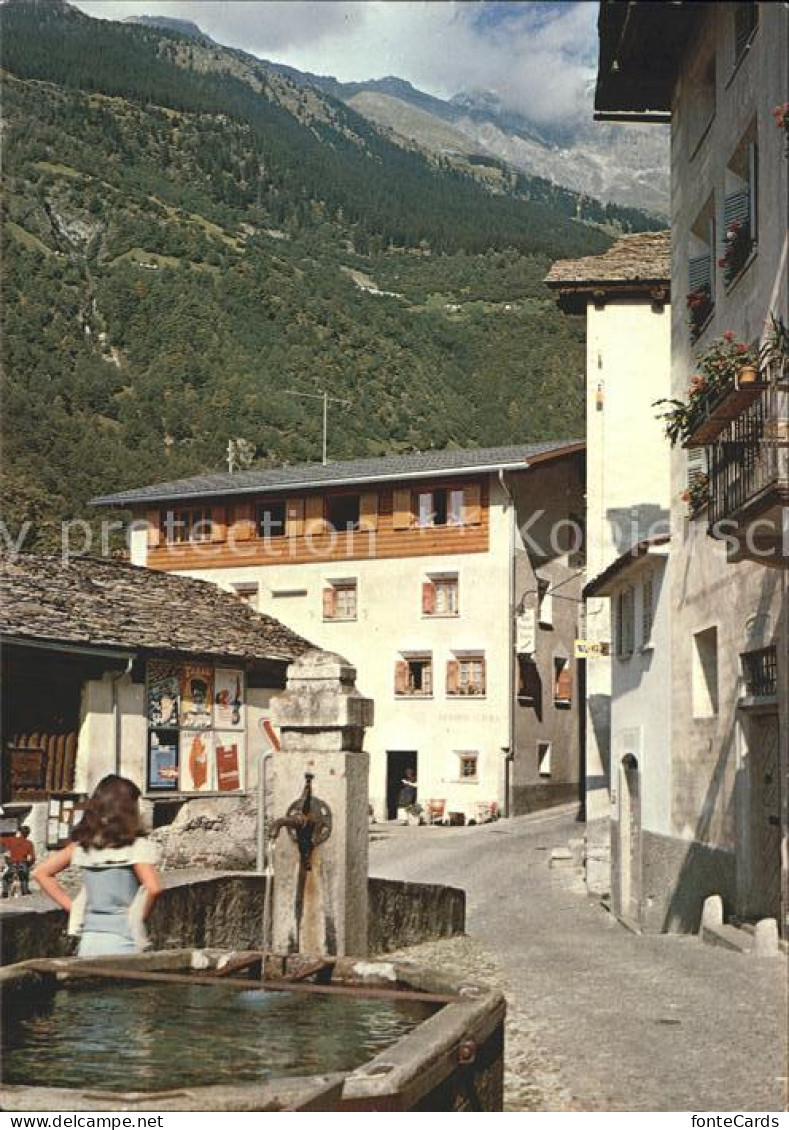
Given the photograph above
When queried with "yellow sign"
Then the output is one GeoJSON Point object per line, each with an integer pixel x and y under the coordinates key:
{"type": "Point", "coordinates": [587, 649]}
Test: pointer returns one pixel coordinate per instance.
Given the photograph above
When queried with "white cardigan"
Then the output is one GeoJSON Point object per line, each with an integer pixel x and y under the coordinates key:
{"type": "Point", "coordinates": [141, 851]}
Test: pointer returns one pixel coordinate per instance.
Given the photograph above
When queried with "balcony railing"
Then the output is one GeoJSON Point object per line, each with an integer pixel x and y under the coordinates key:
{"type": "Point", "coordinates": [751, 454]}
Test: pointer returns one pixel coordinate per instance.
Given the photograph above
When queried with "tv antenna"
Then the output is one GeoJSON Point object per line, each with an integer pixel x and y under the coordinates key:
{"type": "Point", "coordinates": [324, 396]}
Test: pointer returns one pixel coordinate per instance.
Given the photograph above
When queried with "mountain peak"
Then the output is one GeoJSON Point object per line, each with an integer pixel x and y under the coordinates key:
{"type": "Point", "coordinates": [486, 100]}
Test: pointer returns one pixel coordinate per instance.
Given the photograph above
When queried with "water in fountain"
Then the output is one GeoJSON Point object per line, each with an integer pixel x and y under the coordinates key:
{"type": "Point", "coordinates": [157, 1037]}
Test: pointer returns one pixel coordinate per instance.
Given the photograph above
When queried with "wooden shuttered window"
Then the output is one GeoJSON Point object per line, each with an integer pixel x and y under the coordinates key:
{"type": "Point", "coordinates": [295, 517]}
{"type": "Point", "coordinates": [402, 513]}
{"type": "Point", "coordinates": [428, 598]}
{"type": "Point", "coordinates": [700, 273]}
{"type": "Point", "coordinates": [529, 682]}
{"type": "Point", "coordinates": [625, 623]}
{"type": "Point", "coordinates": [563, 690]}
{"type": "Point", "coordinates": [647, 610]}
{"type": "Point", "coordinates": [466, 675]}
{"type": "Point", "coordinates": [154, 520]}
{"type": "Point", "coordinates": [414, 676]}
{"type": "Point", "coordinates": [472, 504]}
{"type": "Point", "coordinates": [368, 510]}
{"type": "Point", "coordinates": [218, 521]}
{"type": "Point", "coordinates": [340, 601]}
{"type": "Point", "coordinates": [243, 521]}
{"type": "Point", "coordinates": [737, 207]}
{"type": "Point", "coordinates": [313, 515]}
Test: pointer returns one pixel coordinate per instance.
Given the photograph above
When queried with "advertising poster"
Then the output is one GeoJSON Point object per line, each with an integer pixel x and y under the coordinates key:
{"type": "Point", "coordinates": [229, 699]}
{"type": "Point", "coordinates": [197, 695]}
{"type": "Point", "coordinates": [197, 760]}
{"type": "Point", "coordinates": [228, 762]}
{"type": "Point", "coordinates": [163, 693]}
{"type": "Point", "coordinates": [163, 760]}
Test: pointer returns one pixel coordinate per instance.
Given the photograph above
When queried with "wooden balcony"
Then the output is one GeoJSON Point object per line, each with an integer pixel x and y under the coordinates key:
{"type": "Point", "coordinates": [748, 466]}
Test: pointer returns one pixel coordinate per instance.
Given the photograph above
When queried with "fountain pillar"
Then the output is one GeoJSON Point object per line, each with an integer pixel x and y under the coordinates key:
{"type": "Point", "coordinates": [321, 853]}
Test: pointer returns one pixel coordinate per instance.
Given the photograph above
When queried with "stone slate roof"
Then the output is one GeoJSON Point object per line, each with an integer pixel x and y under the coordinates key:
{"type": "Point", "coordinates": [335, 474]}
{"type": "Point", "coordinates": [97, 603]}
{"type": "Point", "coordinates": [641, 258]}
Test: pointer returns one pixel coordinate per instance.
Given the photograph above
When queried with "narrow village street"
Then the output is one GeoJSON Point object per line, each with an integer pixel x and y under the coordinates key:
{"type": "Point", "coordinates": [599, 1018]}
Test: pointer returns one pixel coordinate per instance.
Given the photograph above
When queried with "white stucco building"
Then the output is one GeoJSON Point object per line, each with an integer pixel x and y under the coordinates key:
{"type": "Point", "coordinates": [625, 296]}
{"type": "Point", "coordinates": [417, 569]}
{"type": "Point", "coordinates": [637, 586]}
{"type": "Point", "coordinates": [715, 72]}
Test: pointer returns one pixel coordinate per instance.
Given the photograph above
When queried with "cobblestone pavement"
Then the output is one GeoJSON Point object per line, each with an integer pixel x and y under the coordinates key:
{"type": "Point", "coordinates": [599, 1018]}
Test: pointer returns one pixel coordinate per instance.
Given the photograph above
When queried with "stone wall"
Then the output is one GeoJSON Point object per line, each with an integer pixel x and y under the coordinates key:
{"type": "Point", "coordinates": [677, 877]}
{"type": "Point", "coordinates": [226, 912]}
{"type": "Point", "coordinates": [405, 914]}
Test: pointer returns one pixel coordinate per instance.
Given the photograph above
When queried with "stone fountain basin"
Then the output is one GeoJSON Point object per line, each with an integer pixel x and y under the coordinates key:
{"type": "Point", "coordinates": [452, 1061]}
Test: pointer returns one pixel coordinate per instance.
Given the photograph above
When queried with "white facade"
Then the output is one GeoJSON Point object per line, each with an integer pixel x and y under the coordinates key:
{"type": "Point", "coordinates": [390, 624]}
{"type": "Point", "coordinates": [628, 497]}
{"type": "Point", "coordinates": [717, 71]}
{"type": "Point", "coordinates": [744, 605]}
{"type": "Point", "coordinates": [641, 779]}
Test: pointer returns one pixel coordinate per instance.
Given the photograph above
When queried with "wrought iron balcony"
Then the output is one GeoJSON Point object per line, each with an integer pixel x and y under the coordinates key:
{"type": "Point", "coordinates": [748, 466]}
{"type": "Point", "coordinates": [760, 672]}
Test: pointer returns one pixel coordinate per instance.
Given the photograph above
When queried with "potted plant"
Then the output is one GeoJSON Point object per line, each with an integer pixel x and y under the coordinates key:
{"type": "Point", "coordinates": [737, 244]}
{"type": "Point", "coordinates": [719, 369]}
{"type": "Point", "coordinates": [747, 375]}
{"type": "Point", "coordinates": [699, 303]}
{"type": "Point", "coordinates": [697, 494]}
{"type": "Point", "coordinates": [774, 352]}
{"type": "Point", "coordinates": [781, 116]}
{"type": "Point", "coordinates": [414, 814]}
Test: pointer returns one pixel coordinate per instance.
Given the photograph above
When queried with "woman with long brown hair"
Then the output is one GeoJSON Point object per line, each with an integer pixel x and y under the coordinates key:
{"type": "Point", "coordinates": [118, 866]}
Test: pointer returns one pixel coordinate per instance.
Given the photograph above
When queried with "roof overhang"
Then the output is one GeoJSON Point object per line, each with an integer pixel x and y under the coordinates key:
{"type": "Point", "coordinates": [124, 654]}
{"type": "Point", "coordinates": [627, 565]}
{"type": "Point", "coordinates": [227, 489]}
{"type": "Point", "coordinates": [642, 44]}
{"type": "Point", "coordinates": [92, 651]}
{"type": "Point", "coordinates": [574, 297]}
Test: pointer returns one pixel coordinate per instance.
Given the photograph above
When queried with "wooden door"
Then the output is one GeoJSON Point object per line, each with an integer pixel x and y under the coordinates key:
{"type": "Point", "coordinates": [765, 869]}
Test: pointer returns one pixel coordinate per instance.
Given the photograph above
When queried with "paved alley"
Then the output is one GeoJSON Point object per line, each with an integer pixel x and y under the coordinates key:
{"type": "Point", "coordinates": [600, 1019]}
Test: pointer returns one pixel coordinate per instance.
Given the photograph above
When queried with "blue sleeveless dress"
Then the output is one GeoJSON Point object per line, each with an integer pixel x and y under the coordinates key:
{"type": "Point", "coordinates": [107, 915]}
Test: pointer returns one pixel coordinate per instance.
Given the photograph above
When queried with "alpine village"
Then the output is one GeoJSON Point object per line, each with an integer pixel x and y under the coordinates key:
{"type": "Point", "coordinates": [410, 533]}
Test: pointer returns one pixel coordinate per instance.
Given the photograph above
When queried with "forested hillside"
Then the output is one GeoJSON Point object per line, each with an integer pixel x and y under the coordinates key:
{"type": "Point", "coordinates": [184, 242]}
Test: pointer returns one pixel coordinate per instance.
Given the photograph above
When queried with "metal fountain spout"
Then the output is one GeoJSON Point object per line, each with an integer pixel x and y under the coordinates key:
{"type": "Point", "coordinates": [318, 898]}
{"type": "Point", "coordinates": [308, 821]}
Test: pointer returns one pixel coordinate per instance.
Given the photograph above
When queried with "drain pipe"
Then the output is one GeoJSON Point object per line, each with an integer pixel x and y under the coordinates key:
{"type": "Point", "coordinates": [510, 644]}
{"type": "Point", "coordinates": [116, 711]}
{"type": "Point", "coordinates": [265, 852]}
{"type": "Point", "coordinates": [262, 828]}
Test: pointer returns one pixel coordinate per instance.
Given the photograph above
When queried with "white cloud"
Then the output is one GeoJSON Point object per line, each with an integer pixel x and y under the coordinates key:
{"type": "Point", "coordinates": [538, 57]}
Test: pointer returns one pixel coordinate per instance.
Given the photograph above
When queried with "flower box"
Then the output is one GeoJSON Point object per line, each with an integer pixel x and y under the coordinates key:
{"type": "Point", "coordinates": [722, 410]}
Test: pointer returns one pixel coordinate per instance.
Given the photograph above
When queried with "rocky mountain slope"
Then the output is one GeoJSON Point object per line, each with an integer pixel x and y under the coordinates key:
{"type": "Point", "coordinates": [620, 164]}
{"type": "Point", "coordinates": [627, 165]}
{"type": "Point", "coordinates": [187, 235]}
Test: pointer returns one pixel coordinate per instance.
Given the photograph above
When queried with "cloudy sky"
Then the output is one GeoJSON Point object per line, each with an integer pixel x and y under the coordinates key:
{"type": "Point", "coordinates": [537, 56]}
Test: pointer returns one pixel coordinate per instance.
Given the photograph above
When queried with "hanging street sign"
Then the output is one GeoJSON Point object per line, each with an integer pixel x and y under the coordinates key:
{"type": "Point", "coordinates": [589, 649]}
